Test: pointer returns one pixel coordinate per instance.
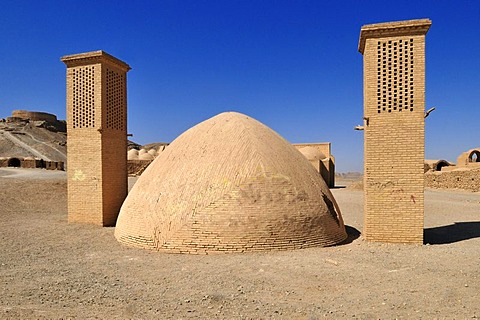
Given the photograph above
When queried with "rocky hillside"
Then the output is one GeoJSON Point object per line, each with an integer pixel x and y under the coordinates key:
{"type": "Point", "coordinates": [40, 135]}
{"type": "Point", "coordinates": [27, 138]}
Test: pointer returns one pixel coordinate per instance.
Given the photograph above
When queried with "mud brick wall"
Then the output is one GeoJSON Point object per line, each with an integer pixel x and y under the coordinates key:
{"type": "Point", "coordinates": [325, 167]}
{"type": "Point", "coordinates": [31, 163]}
{"type": "Point", "coordinates": [54, 165]}
{"type": "Point", "coordinates": [97, 137]}
{"type": "Point", "coordinates": [458, 179]}
{"type": "Point", "coordinates": [394, 98]}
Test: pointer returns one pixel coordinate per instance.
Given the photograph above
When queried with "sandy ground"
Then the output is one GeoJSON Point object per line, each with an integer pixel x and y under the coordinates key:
{"type": "Point", "coordinates": [53, 270]}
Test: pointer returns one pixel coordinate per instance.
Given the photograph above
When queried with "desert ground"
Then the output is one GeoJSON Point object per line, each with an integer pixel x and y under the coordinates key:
{"type": "Point", "coordinates": [50, 269]}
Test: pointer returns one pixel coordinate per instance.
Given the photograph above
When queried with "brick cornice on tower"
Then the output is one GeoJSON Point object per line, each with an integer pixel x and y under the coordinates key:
{"type": "Point", "coordinates": [88, 58]}
{"type": "Point", "coordinates": [392, 29]}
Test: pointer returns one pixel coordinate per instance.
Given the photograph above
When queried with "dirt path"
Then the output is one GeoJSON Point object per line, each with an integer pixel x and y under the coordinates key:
{"type": "Point", "coordinates": [60, 155]}
{"type": "Point", "coordinates": [25, 146]}
{"type": "Point", "coordinates": [31, 174]}
{"type": "Point", "coordinates": [50, 269]}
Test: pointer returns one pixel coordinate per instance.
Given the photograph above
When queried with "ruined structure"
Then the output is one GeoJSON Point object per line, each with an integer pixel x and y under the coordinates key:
{"type": "Point", "coordinates": [30, 139]}
{"type": "Point", "coordinates": [229, 184]}
{"type": "Point", "coordinates": [436, 165]}
{"type": "Point", "coordinates": [39, 119]}
{"type": "Point", "coordinates": [464, 175]}
{"type": "Point", "coordinates": [394, 107]}
{"type": "Point", "coordinates": [97, 137]}
{"type": "Point", "coordinates": [31, 163]}
{"type": "Point", "coordinates": [33, 116]}
{"type": "Point", "coordinates": [321, 158]}
{"type": "Point", "coordinates": [469, 159]}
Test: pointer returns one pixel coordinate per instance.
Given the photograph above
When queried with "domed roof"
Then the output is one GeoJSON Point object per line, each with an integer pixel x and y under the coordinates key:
{"type": "Point", "coordinates": [312, 153]}
{"type": "Point", "coordinates": [145, 156]}
{"type": "Point", "coordinates": [142, 151]}
{"type": "Point", "coordinates": [229, 184]}
{"type": "Point", "coordinates": [153, 152]}
{"type": "Point", "coordinates": [132, 154]}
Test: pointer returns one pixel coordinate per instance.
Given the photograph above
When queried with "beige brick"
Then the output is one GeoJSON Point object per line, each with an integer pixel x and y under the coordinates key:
{"type": "Point", "coordinates": [97, 137]}
{"type": "Point", "coordinates": [394, 104]}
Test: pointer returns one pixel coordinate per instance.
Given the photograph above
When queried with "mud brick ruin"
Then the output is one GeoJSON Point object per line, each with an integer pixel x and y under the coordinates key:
{"type": "Point", "coordinates": [465, 174]}
{"type": "Point", "coordinates": [394, 112]}
{"type": "Point", "coordinates": [321, 158]}
{"type": "Point", "coordinates": [31, 163]}
{"type": "Point", "coordinates": [97, 137]}
{"type": "Point", "coordinates": [12, 129]}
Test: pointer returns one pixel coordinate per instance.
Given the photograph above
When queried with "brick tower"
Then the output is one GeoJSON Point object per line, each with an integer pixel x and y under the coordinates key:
{"type": "Point", "coordinates": [394, 129]}
{"type": "Point", "coordinates": [97, 137]}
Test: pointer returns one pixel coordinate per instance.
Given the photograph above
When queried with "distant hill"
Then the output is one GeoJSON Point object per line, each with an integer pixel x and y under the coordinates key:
{"type": "Point", "coordinates": [22, 137]}
{"type": "Point", "coordinates": [41, 135]}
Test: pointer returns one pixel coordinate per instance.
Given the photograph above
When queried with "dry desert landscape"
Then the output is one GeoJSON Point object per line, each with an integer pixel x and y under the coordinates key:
{"type": "Point", "coordinates": [50, 269]}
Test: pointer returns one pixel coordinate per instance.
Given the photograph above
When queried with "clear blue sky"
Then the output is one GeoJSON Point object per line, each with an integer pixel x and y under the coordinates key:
{"type": "Point", "coordinates": [292, 65]}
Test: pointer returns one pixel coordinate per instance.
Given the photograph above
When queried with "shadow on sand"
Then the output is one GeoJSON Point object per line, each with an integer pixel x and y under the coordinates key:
{"type": "Point", "coordinates": [352, 233]}
{"type": "Point", "coordinates": [456, 232]}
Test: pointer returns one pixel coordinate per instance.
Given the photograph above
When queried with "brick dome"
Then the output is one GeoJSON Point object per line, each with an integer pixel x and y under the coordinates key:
{"type": "Point", "coordinates": [145, 156]}
{"type": "Point", "coordinates": [229, 184]}
{"type": "Point", "coordinates": [132, 154]}
{"type": "Point", "coordinates": [153, 152]}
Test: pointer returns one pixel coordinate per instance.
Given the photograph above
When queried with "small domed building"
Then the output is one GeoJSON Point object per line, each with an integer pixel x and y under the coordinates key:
{"type": "Point", "coordinates": [229, 184]}
{"type": "Point", "coordinates": [132, 154]}
{"type": "Point", "coordinates": [470, 158]}
{"type": "Point", "coordinates": [153, 152]}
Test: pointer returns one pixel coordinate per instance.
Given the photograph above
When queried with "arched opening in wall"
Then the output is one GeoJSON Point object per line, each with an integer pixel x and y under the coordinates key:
{"type": "Point", "coordinates": [440, 165]}
{"type": "Point", "coordinates": [474, 156]}
{"type": "Point", "coordinates": [14, 162]}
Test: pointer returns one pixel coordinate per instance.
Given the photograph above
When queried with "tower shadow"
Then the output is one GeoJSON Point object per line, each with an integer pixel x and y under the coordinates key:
{"type": "Point", "coordinates": [452, 233]}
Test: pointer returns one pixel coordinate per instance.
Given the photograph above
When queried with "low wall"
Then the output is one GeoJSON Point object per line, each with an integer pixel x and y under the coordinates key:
{"type": "Point", "coordinates": [54, 165]}
{"type": "Point", "coordinates": [437, 165]}
{"type": "Point", "coordinates": [458, 179]}
{"type": "Point", "coordinates": [19, 162]}
{"type": "Point", "coordinates": [32, 163]}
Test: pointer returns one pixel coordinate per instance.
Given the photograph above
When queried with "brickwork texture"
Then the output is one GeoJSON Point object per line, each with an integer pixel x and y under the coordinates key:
{"type": "Point", "coordinates": [394, 98]}
{"type": "Point", "coordinates": [97, 137]}
{"type": "Point", "coordinates": [465, 179]}
{"type": "Point", "coordinates": [229, 184]}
